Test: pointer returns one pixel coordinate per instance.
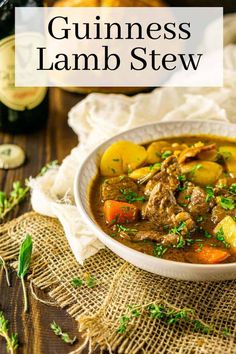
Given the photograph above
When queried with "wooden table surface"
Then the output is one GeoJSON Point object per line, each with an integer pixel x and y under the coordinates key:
{"type": "Point", "coordinates": [52, 142]}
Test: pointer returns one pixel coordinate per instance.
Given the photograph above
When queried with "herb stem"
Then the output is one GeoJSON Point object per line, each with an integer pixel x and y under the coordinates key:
{"type": "Point", "coordinates": [6, 270]}
{"type": "Point", "coordinates": [24, 294]}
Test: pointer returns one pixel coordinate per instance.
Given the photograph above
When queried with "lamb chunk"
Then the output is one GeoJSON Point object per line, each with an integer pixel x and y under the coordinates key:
{"type": "Point", "coordinates": [170, 171]}
{"type": "Point", "coordinates": [163, 210]}
{"type": "Point", "coordinates": [111, 187]}
{"type": "Point", "coordinates": [194, 198]}
{"type": "Point", "coordinates": [218, 214]}
{"type": "Point", "coordinates": [193, 151]}
{"type": "Point", "coordinates": [170, 240]}
{"type": "Point", "coordinates": [152, 235]}
{"type": "Point", "coordinates": [198, 202]}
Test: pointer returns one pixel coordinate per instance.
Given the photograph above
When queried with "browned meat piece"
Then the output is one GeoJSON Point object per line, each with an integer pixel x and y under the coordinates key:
{"type": "Point", "coordinates": [218, 213]}
{"type": "Point", "coordinates": [168, 175]}
{"type": "Point", "coordinates": [111, 187]}
{"type": "Point", "coordinates": [192, 152]}
{"type": "Point", "coordinates": [198, 202]}
{"type": "Point", "coordinates": [194, 198]}
{"type": "Point", "coordinates": [183, 196]}
{"type": "Point", "coordinates": [163, 210]}
{"type": "Point", "coordinates": [152, 235]}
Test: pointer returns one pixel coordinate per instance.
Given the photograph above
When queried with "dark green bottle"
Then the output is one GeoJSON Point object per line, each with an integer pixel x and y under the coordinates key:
{"type": "Point", "coordinates": [22, 109]}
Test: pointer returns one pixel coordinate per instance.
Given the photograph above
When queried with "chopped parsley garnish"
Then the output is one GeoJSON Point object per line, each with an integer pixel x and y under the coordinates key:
{"type": "Point", "coordinates": [182, 178]}
{"type": "Point", "coordinates": [220, 237]}
{"type": "Point", "coordinates": [154, 166]}
{"type": "Point", "coordinates": [187, 197]}
{"type": "Point", "coordinates": [232, 188]}
{"type": "Point", "coordinates": [128, 230]}
{"type": "Point", "coordinates": [200, 247]}
{"type": "Point", "coordinates": [159, 250]}
{"type": "Point", "coordinates": [195, 169]}
{"type": "Point", "coordinates": [166, 154]}
{"type": "Point", "coordinates": [176, 230]}
{"type": "Point", "coordinates": [210, 193]}
{"type": "Point", "coordinates": [227, 203]}
{"type": "Point", "coordinates": [181, 242]}
{"type": "Point", "coordinates": [131, 196]}
{"type": "Point", "coordinates": [207, 234]}
{"type": "Point", "coordinates": [200, 219]}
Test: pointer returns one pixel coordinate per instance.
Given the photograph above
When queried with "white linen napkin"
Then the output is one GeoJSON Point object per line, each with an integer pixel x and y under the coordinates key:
{"type": "Point", "coordinates": [100, 116]}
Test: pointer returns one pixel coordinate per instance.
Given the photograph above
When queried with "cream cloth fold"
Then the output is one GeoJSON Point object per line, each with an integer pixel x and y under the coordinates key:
{"type": "Point", "coordinates": [100, 116]}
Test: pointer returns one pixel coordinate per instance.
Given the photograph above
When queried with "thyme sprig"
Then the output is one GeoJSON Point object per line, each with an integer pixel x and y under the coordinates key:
{"type": "Point", "coordinates": [3, 264]}
{"type": "Point", "coordinates": [18, 193]}
{"type": "Point", "coordinates": [169, 315]}
{"type": "Point", "coordinates": [11, 340]}
{"type": "Point", "coordinates": [63, 335]}
{"type": "Point", "coordinates": [23, 264]}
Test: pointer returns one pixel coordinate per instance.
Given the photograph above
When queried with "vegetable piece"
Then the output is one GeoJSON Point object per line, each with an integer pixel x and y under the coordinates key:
{"type": "Point", "coordinates": [145, 172]}
{"type": "Point", "coordinates": [210, 255]}
{"type": "Point", "coordinates": [228, 226]}
{"type": "Point", "coordinates": [120, 212]}
{"type": "Point", "coordinates": [121, 157]}
{"type": "Point", "coordinates": [210, 155]}
{"type": "Point", "coordinates": [63, 335]}
{"type": "Point", "coordinates": [193, 151]}
{"type": "Point", "coordinates": [155, 150]}
{"type": "Point", "coordinates": [229, 155]}
{"type": "Point", "coordinates": [203, 173]}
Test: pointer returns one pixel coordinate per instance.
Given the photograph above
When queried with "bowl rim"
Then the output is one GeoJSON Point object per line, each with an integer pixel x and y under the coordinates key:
{"type": "Point", "coordinates": [93, 225]}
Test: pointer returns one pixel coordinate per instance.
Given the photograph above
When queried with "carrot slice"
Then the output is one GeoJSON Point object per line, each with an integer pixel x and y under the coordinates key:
{"type": "Point", "coordinates": [210, 255]}
{"type": "Point", "coordinates": [120, 212]}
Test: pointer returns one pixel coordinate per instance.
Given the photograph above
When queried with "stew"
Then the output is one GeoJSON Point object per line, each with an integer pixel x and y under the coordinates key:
{"type": "Point", "coordinates": [172, 198]}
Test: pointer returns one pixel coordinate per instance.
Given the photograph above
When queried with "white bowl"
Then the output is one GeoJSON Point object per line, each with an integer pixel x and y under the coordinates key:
{"type": "Point", "coordinates": [143, 134]}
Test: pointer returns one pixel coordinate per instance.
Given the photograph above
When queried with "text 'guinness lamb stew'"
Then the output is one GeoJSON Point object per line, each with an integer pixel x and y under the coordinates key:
{"type": "Point", "coordinates": [174, 199]}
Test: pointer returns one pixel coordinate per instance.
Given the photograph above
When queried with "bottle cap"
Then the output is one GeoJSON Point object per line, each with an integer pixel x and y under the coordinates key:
{"type": "Point", "coordinates": [11, 156]}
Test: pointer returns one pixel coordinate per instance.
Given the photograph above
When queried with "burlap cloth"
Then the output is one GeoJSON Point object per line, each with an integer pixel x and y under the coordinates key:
{"type": "Point", "coordinates": [120, 284]}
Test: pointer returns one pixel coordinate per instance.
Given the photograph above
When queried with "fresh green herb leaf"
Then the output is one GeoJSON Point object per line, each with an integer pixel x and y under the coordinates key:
{"type": "Point", "coordinates": [226, 332]}
{"type": "Point", "coordinates": [76, 282]}
{"type": "Point", "coordinates": [187, 197]}
{"type": "Point", "coordinates": [220, 237]}
{"type": "Point", "coordinates": [210, 193]}
{"type": "Point", "coordinates": [200, 327]}
{"type": "Point", "coordinates": [227, 203]}
{"type": "Point", "coordinates": [64, 336]}
{"type": "Point", "coordinates": [159, 250]}
{"type": "Point", "coordinates": [23, 264]}
{"type": "Point", "coordinates": [11, 340]}
{"type": "Point", "coordinates": [166, 154]}
{"type": "Point", "coordinates": [226, 155]}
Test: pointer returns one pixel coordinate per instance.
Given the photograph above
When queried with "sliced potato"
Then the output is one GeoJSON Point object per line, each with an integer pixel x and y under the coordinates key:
{"type": "Point", "coordinates": [144, 172]}
{"type": "Point", "coordinates": [228, 226]}
{"type": "Point", "coordinates": [229, 155]}
{"type": "Point", "coordinates": [202, 172]}
{"type": "Point", "coordinates": [154, 151]}
{"type": "Point", "coordinates": [122, 157]}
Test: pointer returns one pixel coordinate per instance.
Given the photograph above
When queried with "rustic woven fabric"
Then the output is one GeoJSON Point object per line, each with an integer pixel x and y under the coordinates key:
{"type": "Point", "coordinates": [119, 285]}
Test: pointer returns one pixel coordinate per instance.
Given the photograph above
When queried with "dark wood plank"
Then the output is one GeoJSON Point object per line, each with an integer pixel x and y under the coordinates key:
{"type": "Point", "coordinates": [53, 142]}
